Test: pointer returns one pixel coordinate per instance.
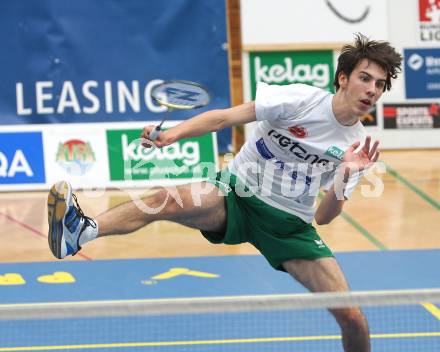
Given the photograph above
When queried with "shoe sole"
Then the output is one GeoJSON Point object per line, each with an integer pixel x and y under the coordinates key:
{"type": "Point", "coordinates": [57, 208]}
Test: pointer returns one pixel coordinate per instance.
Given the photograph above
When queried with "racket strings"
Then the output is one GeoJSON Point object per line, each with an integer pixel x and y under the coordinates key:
{"type": "Point", "coordinates": [181, 94]}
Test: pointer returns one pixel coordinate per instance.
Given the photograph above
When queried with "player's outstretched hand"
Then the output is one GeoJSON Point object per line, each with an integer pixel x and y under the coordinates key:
{"type": "Point", "coordinates": [364, 157]}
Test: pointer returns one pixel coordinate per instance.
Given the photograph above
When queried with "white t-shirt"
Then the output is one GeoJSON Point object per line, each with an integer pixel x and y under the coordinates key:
{"type": "Point", "coordinates": [295, 148]}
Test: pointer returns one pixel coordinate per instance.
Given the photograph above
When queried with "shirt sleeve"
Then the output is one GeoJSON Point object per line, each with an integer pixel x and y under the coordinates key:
{"type": "Point", "coordinates": [281, 102]}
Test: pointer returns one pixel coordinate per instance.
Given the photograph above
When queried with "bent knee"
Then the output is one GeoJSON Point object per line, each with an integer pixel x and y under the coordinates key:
{"type": "Point", "coordinates": [164, 200]}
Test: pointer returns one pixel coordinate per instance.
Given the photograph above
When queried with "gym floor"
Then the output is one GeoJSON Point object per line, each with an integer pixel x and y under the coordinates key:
{"type": "Point", "coordinates": [389, 242]}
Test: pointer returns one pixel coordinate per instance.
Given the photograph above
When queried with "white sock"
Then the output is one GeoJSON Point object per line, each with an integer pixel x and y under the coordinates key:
{"type": "Point", "coordinates": [89, 233]}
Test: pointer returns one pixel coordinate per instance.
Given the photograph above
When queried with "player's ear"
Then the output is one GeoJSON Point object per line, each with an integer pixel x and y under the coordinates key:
{"type": "Point", "coordinates": [343, 80]}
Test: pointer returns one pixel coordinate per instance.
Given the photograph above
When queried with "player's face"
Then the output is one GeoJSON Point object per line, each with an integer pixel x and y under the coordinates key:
{"type": "Point", "coordinates": [364, 87]}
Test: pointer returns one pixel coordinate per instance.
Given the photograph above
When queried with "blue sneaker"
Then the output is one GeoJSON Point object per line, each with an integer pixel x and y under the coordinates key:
{"type": "Point", "coordinates": [66, 220]}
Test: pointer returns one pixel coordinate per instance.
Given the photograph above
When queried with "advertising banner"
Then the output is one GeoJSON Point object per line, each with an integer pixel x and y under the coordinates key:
{"type": "Point", "coordinates": [190, 158]}
{"type": "Point", "coordinates": [429, 22]}
{"type": "Point", "coordinates": [21, 158]}
{"type": "Point", "coordinates": [422, 73]}
{"type": "Point", "coordinates": [90, 156]}
{"type": "Point", "coordinates": [411, 116]}
{"type": "Point", "coordinates": [370, 119]}
{"type": "Point", "coordinates": [77, 154]}
{"type": "Point", "coordinates": [284, 67]}
{"type": "Point", "coordinates": [97, 61]}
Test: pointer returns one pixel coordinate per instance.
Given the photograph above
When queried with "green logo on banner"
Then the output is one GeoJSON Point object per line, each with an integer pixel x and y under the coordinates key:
{"type": "Point", "coordinates": [335, 152]}
{"type": "Point", "coordinates": [128, 160]}
{"type": "Point", "coordinates": [286, 67]}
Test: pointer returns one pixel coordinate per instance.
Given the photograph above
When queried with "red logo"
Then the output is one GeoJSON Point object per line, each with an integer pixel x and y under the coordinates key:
{"type": "Point", "coordinates": [429, 11]}
{"type": "Point", "coordinates": [298, 131]}
{"type": "Point", "coordinates": [434, 110]}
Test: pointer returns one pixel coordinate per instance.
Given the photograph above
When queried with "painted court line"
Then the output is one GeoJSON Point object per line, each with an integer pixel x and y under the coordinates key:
{"type": "Point", "coordinates": [22, 224]}
{"type": "Point", "coordinates": [432, 308]}
{"type": "Point", "coordinates": [35, 231]}
{"type": "Point", "coordinates": [362, 230]}
{"type": "Point", "coordinates": [211, 342]}
{"type": "Point", "coordinates": [413, 187]}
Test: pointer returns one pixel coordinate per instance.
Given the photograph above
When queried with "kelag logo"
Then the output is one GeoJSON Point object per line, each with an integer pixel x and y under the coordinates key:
{"type": "Point", "coordinates": [21, 158]}
{"type": "Point", "coordinates": [309, 67]}
{"type": "Point", "coordinates": [130, 161]}
{"type": "Point", "coordinates": [335, 152]}
{"type": "Point", "coordinates": [422, 73]}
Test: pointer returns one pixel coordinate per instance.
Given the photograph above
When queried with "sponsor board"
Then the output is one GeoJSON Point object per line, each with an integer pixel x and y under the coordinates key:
{"type": "Point", "coordinates": [285, 67]}
{"type": "Point", "coordinates": [77, 154]}
{"type": "Point", "coordinates": [429, 22]}
{"type": "Point", "coordinates": [103, 90]}
{"type": "Point", "coordinates": [370, 119]}
{"type": "Point", "coordinates": [422, 73]}
{"type": "Point", "coordinates": [411, 116]}
{"type": "Point", "coordinates": [21, 158]}
{"type": "Point", "coordinates": [184, 159]}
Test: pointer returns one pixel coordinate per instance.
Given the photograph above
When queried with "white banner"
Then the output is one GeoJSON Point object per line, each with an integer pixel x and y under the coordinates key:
{"type": "Point", "coordinates": [311, 21]}
{"type": "Point", "coordinates": [96, 156]}
{"type": "Point", "coordinates": [77, 154]}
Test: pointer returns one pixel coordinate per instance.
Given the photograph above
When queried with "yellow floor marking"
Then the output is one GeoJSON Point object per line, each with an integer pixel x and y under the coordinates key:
{"type": "Point", "coordinates": [211, 342]}
{"type": "Point", "coordinates": [432, 308]}
{"type": "Point", "coordinates": [173, 272]}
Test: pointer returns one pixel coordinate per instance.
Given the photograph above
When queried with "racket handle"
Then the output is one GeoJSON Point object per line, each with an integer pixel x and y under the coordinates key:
{"type": "Point", "coordinates": [154, 133]}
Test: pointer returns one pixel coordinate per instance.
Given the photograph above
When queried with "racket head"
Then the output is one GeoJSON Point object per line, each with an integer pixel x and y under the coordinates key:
{"type": "Point", "coordinates": [180, 94]}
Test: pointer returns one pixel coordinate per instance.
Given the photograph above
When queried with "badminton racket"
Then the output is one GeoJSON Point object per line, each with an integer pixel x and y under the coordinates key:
{"type": "Point", "coordinates": [178, 94]}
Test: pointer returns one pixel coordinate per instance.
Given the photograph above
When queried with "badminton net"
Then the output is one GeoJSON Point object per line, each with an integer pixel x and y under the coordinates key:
{"type": "Point", "coordinates": [403, 321]}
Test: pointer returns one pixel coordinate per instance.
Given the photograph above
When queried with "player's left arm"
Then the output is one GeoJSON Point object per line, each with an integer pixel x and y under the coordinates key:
{"type": "Point", "coordinates": [332, 203]}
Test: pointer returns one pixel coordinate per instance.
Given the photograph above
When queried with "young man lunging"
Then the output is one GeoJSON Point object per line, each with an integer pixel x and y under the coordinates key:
{"type": "Point", "coordinates": [306, 139]}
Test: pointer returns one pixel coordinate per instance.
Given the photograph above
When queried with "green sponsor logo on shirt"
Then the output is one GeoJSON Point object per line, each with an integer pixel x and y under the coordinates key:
{"type": "Point", "coordinates": [335, 152]}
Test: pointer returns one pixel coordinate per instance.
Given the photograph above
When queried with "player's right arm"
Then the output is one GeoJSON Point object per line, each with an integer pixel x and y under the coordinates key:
{"type": "Point", "coordinates": [209, 121]}
{"type": "Point", "coordinates": [353, 162]}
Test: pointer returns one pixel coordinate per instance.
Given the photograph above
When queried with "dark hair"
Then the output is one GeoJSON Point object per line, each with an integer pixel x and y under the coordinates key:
{"type": "Point", "coordinates": [379, 52]}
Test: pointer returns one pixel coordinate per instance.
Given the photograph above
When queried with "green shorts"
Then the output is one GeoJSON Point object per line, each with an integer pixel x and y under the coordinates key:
{"type": "Point", "coordinates": [278, 235]}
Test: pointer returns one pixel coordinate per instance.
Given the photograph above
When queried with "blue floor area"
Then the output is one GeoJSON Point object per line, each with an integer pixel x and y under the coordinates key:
{"type": "Point", "coordinates": [233, 275]}
{"type": "Point", "coordinates": [397, 328]}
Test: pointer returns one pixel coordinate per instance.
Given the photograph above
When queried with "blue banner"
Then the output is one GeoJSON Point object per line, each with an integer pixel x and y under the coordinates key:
{"type": "Point", "coordinates": [422, 73]}
{"type": "Point", "coordinates": [21, 158]}
{"type": "Point", "coordinates": [96, 61]}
